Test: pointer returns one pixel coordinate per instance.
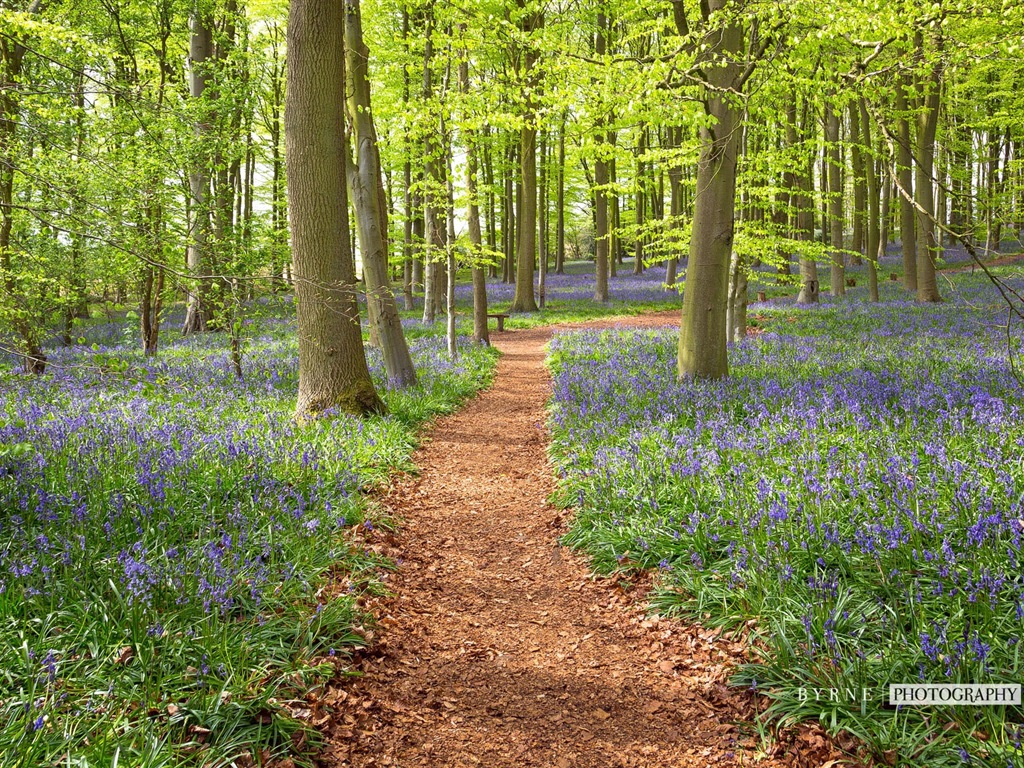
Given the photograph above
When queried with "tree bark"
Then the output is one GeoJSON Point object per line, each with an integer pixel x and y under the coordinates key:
{"type": "Point", "coordinates": [928, 248]}
{"type": "Point", "coordinates": [364, 180]}
{"type": "Point", "coordinates": [200, 51]}
{"type": "Point", "coordinates": [873, 213]}
{"type": "Point", "coordinates": [601, 234]}
{"type": "Point", "coordinates": [332, 363]}
{"type": "Point", "coordinates": [524, 299]}
{"type": "Point", "coordinates": [702, 337]}
{"type": "Point", "coordinates": [905, 178]}
{"type": "Point", "coordinates": [560, 214]}
{"type": "Point", "coordinates": [835, 201]}
{"type": "Point", "coordinates": [802, 184]}
{"type": "Point", "coordinates": [860, 191]}
{"type": "Point", "coordinates": [641, 201]}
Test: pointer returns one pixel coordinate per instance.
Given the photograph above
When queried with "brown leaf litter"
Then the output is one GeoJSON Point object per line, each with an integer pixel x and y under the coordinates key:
{"type": "Point", "coordinates": [499, 648]}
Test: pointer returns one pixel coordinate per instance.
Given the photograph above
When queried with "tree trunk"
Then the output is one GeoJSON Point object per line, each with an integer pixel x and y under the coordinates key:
{"type": "Point", "coordinates": [601, 235]}
{"type": "Point", "coordinates": [641, 202]}
{"type": "Point", "coordinates": [480, 334]}
{"type": "Point", "coordinates": [434, 239]}
{"type": "Point", "coordinates": [675, 208]}
{"type": "Point", "coordinates": [835, 201]}
{"type": "Point", "coordinates": [614, 254]}
{"type": "Point", "coordinates": [928, 248]}
{"type": "Point", "coordinates": [802, 185]}
{"type": "Point", "coordinates": [860, 192]}
{"type": "Point", "coordinates": [332, 363]}
{"type": "Point", "coordinates": [12, 56]}
{"type": "Point", "coordinates": [407, 196]}
{"type": "Point", "coordinates": [905, 178]}
{"type": "Point", "coordinates": [560, 213]}
{"type": "Point", "coordinates": [885, 180]}
{"type": "Point", "coordinates": [200, 50]}
{"type": "Point", "coordinates": [702, 337]}
{"type": "Point", "coordinates": [524, 299]}
{"type": "Point", "coordinates": [871, 181]}
{"type": "Point", "coordinates": [364, 180]}
{"type": "Point", "coordinates": [542, 218]}
{"type": "Point", "coordinates": [451, 269]}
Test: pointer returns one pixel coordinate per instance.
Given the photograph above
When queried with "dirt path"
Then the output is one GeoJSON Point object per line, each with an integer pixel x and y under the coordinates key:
{"type": "Point", "coordinates": [497, 648]}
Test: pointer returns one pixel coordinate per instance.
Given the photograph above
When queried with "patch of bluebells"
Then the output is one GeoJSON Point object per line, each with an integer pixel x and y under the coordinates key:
{"type": "Point", "coordinates": [579, 286]}
{"type": "Point", "coordinates": [165, 506]}
{"type": "Point", "coordinates": [855, 487]}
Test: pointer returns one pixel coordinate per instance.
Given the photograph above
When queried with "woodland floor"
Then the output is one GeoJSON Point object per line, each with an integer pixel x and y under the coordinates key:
{"type": "Point", "coordinates": [497, 647]}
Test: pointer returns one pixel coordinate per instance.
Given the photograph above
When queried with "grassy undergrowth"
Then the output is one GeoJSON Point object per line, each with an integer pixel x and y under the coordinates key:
{"type": "Point", "coordinates": [853, 493]}
{"type": "Point", "coordinates": [180, 561]}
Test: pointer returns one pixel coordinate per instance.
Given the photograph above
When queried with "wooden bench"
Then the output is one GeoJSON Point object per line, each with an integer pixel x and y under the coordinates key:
{"type": "Point", "coordinates": [500, 317]}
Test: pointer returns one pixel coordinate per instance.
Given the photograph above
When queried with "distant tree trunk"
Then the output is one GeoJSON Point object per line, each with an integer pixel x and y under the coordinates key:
{"type": "Point", "coordinates": [802, 186]}
{"type": "Point", "coordinates": [874, 215]}
{"type": "Point", "coordinates": [364, 180]}
{"type": "Point", "coordinates": [994, 187]}
{"type": "Point", "coordinates": [407, 196]}
{"type": "Point", "coordinates": [928, 248]}
{"type": "Point", "coordinates": [542, 218]}
{"type": "Point", "coordinates": [614, 254]}
{"type": "Point", "coordinates": [432, 180]}
{"type": "Point", "coordinates": [641, 202]}
{"type": "Point", "coordinates": [200, 50]}
{"type": "Point", "coordinates": [526, 251]}
{"type": "Point", "coordinates": [860, 192]}
{"type": "Point", "coordinates": [451, 269]}
{"type": "Point", "coordinates": [332, 363]}
{"type": "Point", "coordinates": [512, 220]}
{"type": "Point", "coordinates": [835, 201]}
{"type": "Point", "coordinates": [480, 335]}
{"type": "Point", "coordinates": [885, 180]}
{"type": "Point", "coordinates": [601, 234]}
{"type": "Point", "coordinates": [675, 182]}
{"type": "Point", "coordinates": [905, 178]}
{"type": "Point", "coordinates": [491, 208]}
{"type": "Point", "coordinates": [560, 225]}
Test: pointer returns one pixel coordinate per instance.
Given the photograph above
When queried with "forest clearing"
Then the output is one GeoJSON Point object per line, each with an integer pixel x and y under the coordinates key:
{"type": "Point", "coordinates": [511, 383]}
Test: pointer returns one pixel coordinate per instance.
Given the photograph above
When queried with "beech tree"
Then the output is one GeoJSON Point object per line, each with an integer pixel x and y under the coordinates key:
{"type": "Point", "coordinates": [364, 181]}
{"type": "Point", "coordinates": [332, 362]}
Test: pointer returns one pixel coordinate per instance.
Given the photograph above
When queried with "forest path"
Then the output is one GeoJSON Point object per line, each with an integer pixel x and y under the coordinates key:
{"type": "Point", "coordinates": [497, 647]}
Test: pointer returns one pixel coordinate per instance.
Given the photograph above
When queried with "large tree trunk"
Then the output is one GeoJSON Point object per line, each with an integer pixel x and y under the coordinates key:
{"type": "Point", "coordinates": [928, 248]}
{"type": "Point", "coordinates": [371, 213]}
{"type": "Point", "coordinates": [702, 337]}
{"type": "Point", "coordinates": [332, 363]}
{"type": "Point", "coordinates": [200, 50]}
{"type": "Point", "coordinates": [905, 178]}
{"type": "Point", "coordinates": [835, 201]}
